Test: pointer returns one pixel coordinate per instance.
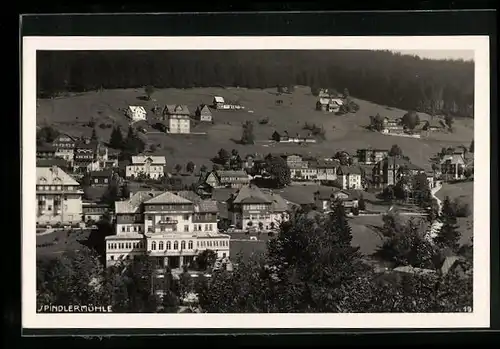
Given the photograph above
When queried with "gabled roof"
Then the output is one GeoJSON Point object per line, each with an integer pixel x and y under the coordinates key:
{"type": "Point", "coordinates": [250, 194]}
{"type": "Point", "coordinates": [132, 205]}
{"type": "Point", "coordinates": [324, 101]}
{"type": "Point", "coordinates": [137, 109]}
{"type": "Point", "coordinates": [448, 263]}
{"type": "Point", "coordinates": [45, 148]}
{"type": "Point", "coordinates": [103, 173]}
{"type": "Point", "coordinates": [176, 109]}
{"type": "Point", "coordinates": [336, 101]}
{"type": "Point", "coordinates": [59, 162]}
{"type": "Point", "coordinates": [325, 194]}
{"type": "Point", "coordinates": [200, 205]}
{"type": "Point", "coordinates": [204, 109]}
{"type": "Point", "coordinates": [324, 163]}
{"type": "Point", "coordinates": [141, 159]}
{"type": "Point", "coordinates": [218, 99]}
{"type": "Point", "coordinates": [53, 176]}
{"type": "Point", "coordinates": [278, 204]}
{"type": "Point", "coordinates": [238, 174]}
{"type": "Point", "coordinates": [168, 198]}
{"type": "Point", "coordinates": [349, 170]}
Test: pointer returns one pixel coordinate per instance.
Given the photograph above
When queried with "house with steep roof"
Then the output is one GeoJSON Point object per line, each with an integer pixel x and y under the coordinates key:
{"type": "Point", "coordinates": [100, 178]}
{"type": "Point", "coordinates": [251, 209]}
{"type": "Point", "coordinates": [203, 113]}
{"type": "Point", "coordinates": [146, 166]}
{"type": "Point", "coordinates": [453, 166]}
{"type": "Point", "coordinates": [218, 102]}
{"type": "Point", "coordinates": [293, 137]}
{"type": "Point", "coordinates": [350, 177]}
{"type": "Point", "coordinates": [227, 179]}
{"type": "Point", "coordinates": [136, 113]}
{"type": "Point", "coordinates": [58, 195]}
{"type": "Point", "coordinates": [324, 198]}
{"type": "Point", "coordinates": [389, 170]}
{"type": "Point", "coordinates": [177, 118]}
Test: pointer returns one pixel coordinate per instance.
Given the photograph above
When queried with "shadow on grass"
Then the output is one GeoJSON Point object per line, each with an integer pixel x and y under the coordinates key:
{"type": "Point", "coordinates": [142, 98]}
{"type": "Point", "coordinates": [96, 239]}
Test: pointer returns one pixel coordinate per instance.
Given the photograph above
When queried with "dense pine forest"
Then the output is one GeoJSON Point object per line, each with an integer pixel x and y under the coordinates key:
{"type": "Point", "coordinates": [382, 77]}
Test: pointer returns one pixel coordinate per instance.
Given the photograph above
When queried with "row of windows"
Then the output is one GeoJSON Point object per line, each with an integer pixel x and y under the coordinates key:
{"type": "Point", "coordinates": [53, 187]}
{"type": "Point", "coordinates": [142, 168]}
{"type": "Point", "coordinates": [135, 228]}
{"type": "Point", "coordinates": [125, 245]}
{"type": "Point", "coordinates": [198, 227]}
{"type": "Point", "coordinates": [64, 145]}
{"type": "Point", "coordinates": [164, 218]}
{"type": "Point", "coordinates": [256, 207]}
{"type": "Point", "coordinates": [183, 207]}
{"type": "Point", "coordinates": [168, 245]}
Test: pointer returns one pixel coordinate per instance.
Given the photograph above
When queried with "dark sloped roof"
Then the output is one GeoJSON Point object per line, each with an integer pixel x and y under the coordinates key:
{"type": "Point", "coordinates": [251, 194]}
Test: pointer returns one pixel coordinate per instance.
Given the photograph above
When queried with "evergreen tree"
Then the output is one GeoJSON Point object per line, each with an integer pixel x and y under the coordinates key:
{"type": "Point", "coordinates": [116, 138]}
{"type": "Point", "coordinates": [448, 236]}
{"type": "Point", "coordinates": [94, 135]}
{"type": "Point", "coordinates": [279, 171]}
{"type": "Point", "coordinates": [247, 135]}
{"type": "Point", "coordinates": [395, 151]}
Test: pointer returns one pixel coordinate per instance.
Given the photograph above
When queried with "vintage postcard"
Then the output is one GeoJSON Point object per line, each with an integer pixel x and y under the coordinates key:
{"type": "Point", "coordinates": [255, 182]}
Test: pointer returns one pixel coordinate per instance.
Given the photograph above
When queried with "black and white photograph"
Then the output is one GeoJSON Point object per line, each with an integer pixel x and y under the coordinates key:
{"type": "Point", "coordinates": [311, 182]}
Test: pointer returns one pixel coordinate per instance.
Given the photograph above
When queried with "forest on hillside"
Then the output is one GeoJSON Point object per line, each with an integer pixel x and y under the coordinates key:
{"type": "Point", "coordinates": [383, 77]}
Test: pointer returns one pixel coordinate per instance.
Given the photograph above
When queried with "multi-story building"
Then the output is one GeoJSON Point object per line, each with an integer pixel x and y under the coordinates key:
{"type": "Point", "coordinates": [326, 169]}
{"type": "Point", "coordinates": [167, 227]}
{"type": "Point", "coordinates": [453, 166]}
{"type": "Point", "coordinates": [312, 169]}
{"type": "Point", "coordinates": [45, 151]}
{"type": "Point", "coordinates": [59, 197]}
{"type": "Point", "coordinates": [136, 113]}
{"type": "Point", "coordinates": [65, 147]}
{"type": "Point", "coordinates": [178, 118]}
{"type": "Point", "coordinates": [227, 179]}
{"type": "Point", "coordinates": [371, 156]}
{"type": "Point", "coordinates": [323, 199]}
{"type": "Point", "coordinates": [251, 208]}
{"type": "Point", "coordinates": [350, 177]}
{"type": "Point", "coordinates": [94, 211]}
{"type": "Point", "coordinates": [391, 169]}
{"type": "Point", "coordinates": [148, 166]}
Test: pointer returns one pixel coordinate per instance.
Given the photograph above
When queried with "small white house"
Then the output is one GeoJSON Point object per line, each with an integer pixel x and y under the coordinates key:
{"type": "Point", "coordinates": [136, 113]}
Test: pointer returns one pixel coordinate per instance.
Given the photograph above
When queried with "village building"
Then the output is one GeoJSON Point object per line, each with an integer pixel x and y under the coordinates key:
{"type": "Point", "coordinates": [146, 166]}
{"type": "Point", "coordinates": [394, 126]}
{"type": "Point", "coordinates": [203, 113]}
{"type": "Point", "coordinates": [371, 156]}
{"type": "Point", "coordinates": [326, 169]}
{"type": "Point", "coordinates": [59, 162]}
{"type": "Point", "coordinates": [227, 179]}
{"type": "Point", "coordinates": [254, 163]}
{"type": "Point", "coordinates": [178, 118]}
{"type": "Point", "coordinates": [324, 198]}
{"type": "Point", "coordinates": [65, 147]}
{"type": "Point", "coordinates": [293, 137]}
{"type": "Point", "coordinates": [94, 211]}
{"type": "Point", "coordinates": [168, 228]}
{"type": "Point", "coordinates": [136, 113]}
{"type": "Point", "coordinates": [391, 169]}
{"type": "Point", "coordinates": [45, 151]}
{"type": "Point", "coordinates": [218, 102]}
{"type": "Point", "coordinates": [331, 105]}
{"type": "Point", "coordinates": [59, 198]}
{"type": "Point", "coordinates": [452, 166]}
{"type": "Point", "coordinates": [433, 125]}
{"type": "Point", "coordinates": [252, 209]}
{"type": "Point", "coordinates": [100, 178]}
{"type": "Point", "coordinates": [350, 177]}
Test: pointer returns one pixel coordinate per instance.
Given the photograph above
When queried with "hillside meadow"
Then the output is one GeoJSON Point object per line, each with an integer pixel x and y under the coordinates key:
{"type": "Point", "coordinates": [347, 132]}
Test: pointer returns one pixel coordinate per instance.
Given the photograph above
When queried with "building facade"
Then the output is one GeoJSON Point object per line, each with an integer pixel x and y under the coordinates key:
{"type": "Point", "coordinates": [371, 156]}
{"type": "Point", "coordinates": [203, 113]}
{"type": "Point", "coordinates": [65, 147]}
{"type": "Point", "coordinates": [350, 177]}
{"type": "Point", "coordinates": [136, 113]}
{"type": "Point", "coordinates": [45, 151]}
{"type": "Point", "coordinates": [252, 209]}
{"type": "Point", "coordinates": [93, 211]}
{"type": "Point", "coordinates": [146, 166]}
{"type": "Point", "coordinates": [178, 118]}
{"type": "Point", "coordinates": [169, 228]}
{"type": "Point", "coordinates": [59, 198]}
{"type": "Point", "coordinates": [227, 179]}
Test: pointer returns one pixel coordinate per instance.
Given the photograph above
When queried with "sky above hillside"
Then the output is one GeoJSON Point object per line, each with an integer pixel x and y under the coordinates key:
{"type": "Point", "coordinates": [441, 54]}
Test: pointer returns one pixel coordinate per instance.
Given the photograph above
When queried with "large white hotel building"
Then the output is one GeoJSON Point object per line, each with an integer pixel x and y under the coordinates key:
{"type": "Point", "coordinates": [170, 228]}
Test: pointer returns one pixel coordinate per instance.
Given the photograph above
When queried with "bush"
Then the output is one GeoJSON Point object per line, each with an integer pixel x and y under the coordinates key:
{"type": "Point", "coordinates": [461, 209]}
{"type": "Point", "coordinates": [264, 121]}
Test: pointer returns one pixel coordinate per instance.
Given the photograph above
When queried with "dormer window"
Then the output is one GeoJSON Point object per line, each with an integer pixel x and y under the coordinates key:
{"type": "Point", "coordinates": [42, 180]}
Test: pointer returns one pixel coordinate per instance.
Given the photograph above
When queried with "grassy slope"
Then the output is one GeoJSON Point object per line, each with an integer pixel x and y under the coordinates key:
{"type": "Point", "coordinates": [349, 133]}
{"type": "Point", "coordinates": [465, 192]}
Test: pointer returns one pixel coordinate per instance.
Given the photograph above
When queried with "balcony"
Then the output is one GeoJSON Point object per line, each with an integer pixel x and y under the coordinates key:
{"type": "Point", "coordinates": [168, 221]}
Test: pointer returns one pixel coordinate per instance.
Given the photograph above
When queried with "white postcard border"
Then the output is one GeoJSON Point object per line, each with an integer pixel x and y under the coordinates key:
{"type": "Point", "coordinates": [479, 318]}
